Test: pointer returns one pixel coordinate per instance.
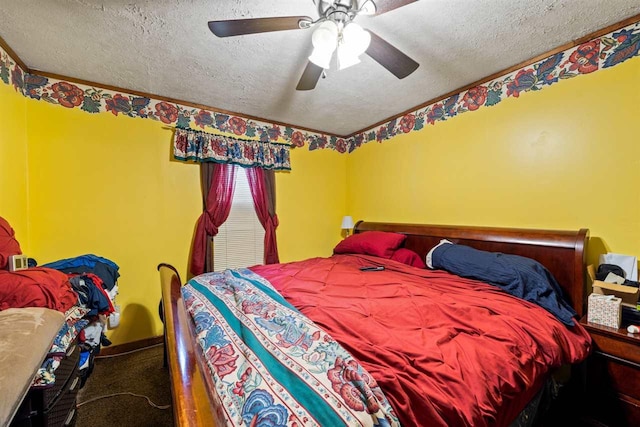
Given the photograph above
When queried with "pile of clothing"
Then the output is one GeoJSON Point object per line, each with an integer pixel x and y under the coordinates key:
{"type": "Point", "coordinates": [83, 288]}
{"type": "Point", "coordinates": [95, 280]}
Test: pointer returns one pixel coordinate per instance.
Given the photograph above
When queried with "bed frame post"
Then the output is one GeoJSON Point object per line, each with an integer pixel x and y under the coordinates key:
{"type": "Point", "coordinates": [192, 403]}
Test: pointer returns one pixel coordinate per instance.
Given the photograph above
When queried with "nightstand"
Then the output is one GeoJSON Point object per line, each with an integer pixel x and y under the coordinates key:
{"type": "Point", "coordinates": [613, 375]}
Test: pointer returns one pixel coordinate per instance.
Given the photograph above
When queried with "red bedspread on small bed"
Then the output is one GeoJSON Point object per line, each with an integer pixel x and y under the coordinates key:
{"type": "Point", "coordinates": [445, 350]}
{"type": "Point", "coordinates": [36, 287]}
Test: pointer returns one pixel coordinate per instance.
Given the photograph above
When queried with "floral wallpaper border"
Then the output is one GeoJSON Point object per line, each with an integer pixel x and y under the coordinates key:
{"type": "Point", "coordinates": [601, 52]}
{"type": "Point", "coordinates": [99, 100]}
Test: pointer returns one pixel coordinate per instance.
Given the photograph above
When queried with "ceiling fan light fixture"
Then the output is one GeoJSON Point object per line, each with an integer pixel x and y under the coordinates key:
{"type": "Point", "coordinates": [325, 37]}
{"type": "Point", "coordinates": [346, 58]}
{"type": "Point", "coordinates": [321, 57]}
{"type": "Point", "coordinates": [355, 38]}
{"type": "Point", "coordinates": [334, 29]}
{"type": "Point", "coordinates": [354, 41]}
{"type": "Point", "coordinates": [325, 40]}
{"type": "Point", "coordinates": [368, 7]}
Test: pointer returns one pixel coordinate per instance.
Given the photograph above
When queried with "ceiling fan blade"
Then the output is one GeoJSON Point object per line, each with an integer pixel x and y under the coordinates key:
{"type": "Point", "coordinates": [309, 77]}
{"type": "Point", "coordinates": [399, 64]}
{"type": "Point", "coordinates": [238, 27]}
{"type": "Point", "coordinates": [384, 6]}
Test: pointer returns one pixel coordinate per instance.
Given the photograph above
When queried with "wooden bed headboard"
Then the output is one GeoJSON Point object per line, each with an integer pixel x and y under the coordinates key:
{"type": "Point", "coordinates": [562, 252]}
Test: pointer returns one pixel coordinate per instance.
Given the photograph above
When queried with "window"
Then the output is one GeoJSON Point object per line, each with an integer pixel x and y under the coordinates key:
{"type": "Point", "coordinates": [240, 240]}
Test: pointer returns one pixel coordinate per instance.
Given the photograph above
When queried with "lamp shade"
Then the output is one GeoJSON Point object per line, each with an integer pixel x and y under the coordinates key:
{"type": "Point", "coordinates": [346, 57]}
{"type": "Point", "coordinates": [325, 36]}
{"type": "Point", "coordinates": [356, 38]}
{"type": "Point", "coordinates": [347, 223]}
{"type": "Point", "coordinates": [354, 42]}
{"type": "Point", "coordinates": [324, 40]}
{"type": "Point", "coordinates": [321, 57]}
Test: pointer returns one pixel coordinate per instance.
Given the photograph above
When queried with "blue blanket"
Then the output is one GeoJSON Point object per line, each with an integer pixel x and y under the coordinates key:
{"type": "Point", "coordinates": [522, 277]}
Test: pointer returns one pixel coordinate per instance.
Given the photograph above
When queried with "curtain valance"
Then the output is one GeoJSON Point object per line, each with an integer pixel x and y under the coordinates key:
{"type": "Point", "coordinates": [193, 145]}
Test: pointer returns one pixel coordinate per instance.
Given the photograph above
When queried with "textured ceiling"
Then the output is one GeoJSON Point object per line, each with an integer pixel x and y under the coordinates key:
{"type": "Point", "coordinates": [164, 47]}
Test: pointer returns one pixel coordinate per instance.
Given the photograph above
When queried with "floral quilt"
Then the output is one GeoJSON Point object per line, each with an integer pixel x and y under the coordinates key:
{"type": "Point", "coordinates": [74, 323]}
{"type": "Point", "coordinates": [272, 366]}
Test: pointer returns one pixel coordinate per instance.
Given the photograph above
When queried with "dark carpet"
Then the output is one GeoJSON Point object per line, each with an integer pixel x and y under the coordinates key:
{"type": "Point", "coordinates": [140, 373]}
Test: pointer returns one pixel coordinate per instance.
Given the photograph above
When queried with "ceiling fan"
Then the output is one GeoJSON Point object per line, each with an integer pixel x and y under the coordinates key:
{"type": "Point", "coordinates": [334, 31]}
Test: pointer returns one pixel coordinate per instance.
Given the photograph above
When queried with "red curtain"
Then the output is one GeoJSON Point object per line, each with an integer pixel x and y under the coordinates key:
{"type": "Point", "coordinates": [218, 182]}
{"type": "Point", "coordinates": [263, 190]}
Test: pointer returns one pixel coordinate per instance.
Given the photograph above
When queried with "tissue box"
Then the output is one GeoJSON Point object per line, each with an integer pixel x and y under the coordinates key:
{"type": "Point", "coordinates": [604, 310]}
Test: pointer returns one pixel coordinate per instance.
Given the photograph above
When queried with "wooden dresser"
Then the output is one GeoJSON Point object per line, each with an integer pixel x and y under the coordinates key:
{"type": "Point", "coordinates": [613, 376]}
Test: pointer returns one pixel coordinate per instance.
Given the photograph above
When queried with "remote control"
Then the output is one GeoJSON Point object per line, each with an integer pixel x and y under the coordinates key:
{"type": "Point", "coordinates": [372, 268]}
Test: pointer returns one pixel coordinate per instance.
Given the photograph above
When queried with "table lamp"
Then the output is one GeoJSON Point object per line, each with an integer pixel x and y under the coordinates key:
{"type": "Point", "coordinates": [347, 224]}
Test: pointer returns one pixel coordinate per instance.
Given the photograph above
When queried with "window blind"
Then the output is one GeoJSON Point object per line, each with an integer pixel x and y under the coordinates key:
{"type": "Point", "coordinates": [240, 240]}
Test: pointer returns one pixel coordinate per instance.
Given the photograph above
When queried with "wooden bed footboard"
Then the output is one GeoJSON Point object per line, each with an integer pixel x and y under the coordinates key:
{"type": "Point", "coordinates": [195, 403]}
{"type": "Point", "coordinates": [191, 390]}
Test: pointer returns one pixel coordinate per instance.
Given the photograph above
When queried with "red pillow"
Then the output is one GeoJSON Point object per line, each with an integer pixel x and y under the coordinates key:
{"type": "Point", "coordinates": [377, 243]}
{"type": "Point", "coordinates": [8, 243]}
{"type": "Point", "coordinates": [409, 257]}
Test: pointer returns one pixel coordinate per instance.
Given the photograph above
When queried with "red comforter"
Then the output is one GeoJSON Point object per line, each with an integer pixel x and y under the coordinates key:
{"type": "Point", "coordinates": [36, 287]}
{"type": "Point", "coordinates": [445, 350]}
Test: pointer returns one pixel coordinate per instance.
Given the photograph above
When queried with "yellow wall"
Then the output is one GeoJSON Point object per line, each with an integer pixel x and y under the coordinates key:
{"type": "Point", "coordinates": [311, 201]}
{"type": "Point", "coordinates": [13, 162]}
{"type": "Point", "coordinates": [107, 185]}
{"type": "Point", "coordinates": [564, 157]}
